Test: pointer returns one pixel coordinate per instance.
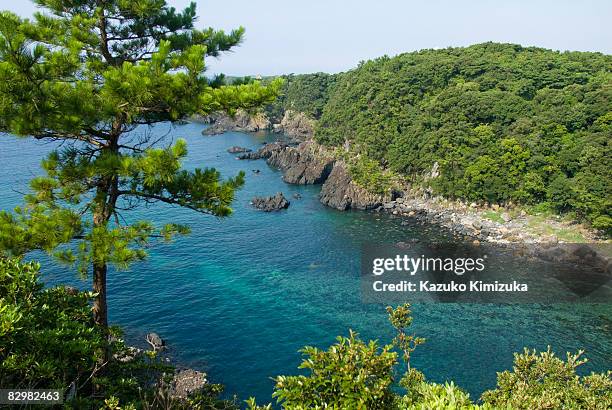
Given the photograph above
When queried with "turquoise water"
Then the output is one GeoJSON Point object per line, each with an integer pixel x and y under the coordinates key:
{"type": "Point", "coordinates": [239, 296]}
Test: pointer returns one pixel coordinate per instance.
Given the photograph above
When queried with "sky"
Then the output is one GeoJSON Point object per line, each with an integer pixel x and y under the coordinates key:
{"type": "Point", "coordinates": [288, 36]}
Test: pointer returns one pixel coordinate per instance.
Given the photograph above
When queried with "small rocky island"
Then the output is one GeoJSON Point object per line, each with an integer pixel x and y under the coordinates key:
{"type": "Point", "coordinates": [271, 203]}
{"type": "Point", "coordinates": [237, 150]}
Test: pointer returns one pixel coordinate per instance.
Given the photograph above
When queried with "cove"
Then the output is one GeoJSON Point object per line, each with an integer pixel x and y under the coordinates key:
{"type": "Point", "coordinates": [240, 296]}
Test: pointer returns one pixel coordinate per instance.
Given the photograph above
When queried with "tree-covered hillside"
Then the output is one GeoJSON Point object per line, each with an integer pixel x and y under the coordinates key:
{"type": "Point", "coordinates": [504, 123]}
{"type": "Point", "coordinates": [307, 93]}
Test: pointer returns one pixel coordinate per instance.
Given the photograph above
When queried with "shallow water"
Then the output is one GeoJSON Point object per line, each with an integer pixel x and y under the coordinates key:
{"type": "Point", "coordinates": [239, 296]}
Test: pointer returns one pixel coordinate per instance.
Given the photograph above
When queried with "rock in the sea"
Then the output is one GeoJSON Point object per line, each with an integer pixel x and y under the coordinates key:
{"type": "Point", "coordinates": [264, 152]}
{"type": "Point", "coordinates": [305, 164]}
{"type": "Point", "coordinates": [341, 192]}
{"type": "Point", "coordinates": [297, 195]}
{"type": "Point", "coordinates": [187, 382]}
{"type": "Point", "coordinates": [236, 149]}
{"type": "Point", "coordinates": [271, 203]}
{"type": "Point", "coordinates": [155, 341]}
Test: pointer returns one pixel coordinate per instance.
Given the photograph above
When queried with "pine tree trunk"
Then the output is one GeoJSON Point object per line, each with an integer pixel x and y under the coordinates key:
{"type": "Point", "coordinates": [100, 309]}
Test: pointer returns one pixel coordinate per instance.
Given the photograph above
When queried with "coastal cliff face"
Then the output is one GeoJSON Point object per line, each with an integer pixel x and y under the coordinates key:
{"type": "Point", "coordinates": [341, 192]}
{"type": "Point", "coordinates": [309, 163]}
{"type": "Point", "coordinates": [305, 164]}
{"type": "Point", "coordinates": [242, 121]}
{"type": "Point", "coordinates": [296, 125]}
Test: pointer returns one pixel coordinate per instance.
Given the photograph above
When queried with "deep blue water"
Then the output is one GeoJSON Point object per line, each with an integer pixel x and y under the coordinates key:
{"type": "Point", "coordinates": [239, 296]}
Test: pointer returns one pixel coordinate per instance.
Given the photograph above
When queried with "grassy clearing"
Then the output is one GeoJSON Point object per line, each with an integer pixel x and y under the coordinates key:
{"type": "Point", "coordinates": [494, 216]}
{"type": "Point", "coordinates": [540, 225]}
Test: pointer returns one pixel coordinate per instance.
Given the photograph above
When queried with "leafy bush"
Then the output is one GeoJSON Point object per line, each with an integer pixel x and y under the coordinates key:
{"type": "Point", "coordinates": [436, 396]}
{"type": "Point", "coordinates": [368, 174]}
{"type": "Point", "coordinates": [351, 374]}
{"type": "Point", "coordinates": [47, 337]}
{"type": "Point", "coordinates": [544, 381]}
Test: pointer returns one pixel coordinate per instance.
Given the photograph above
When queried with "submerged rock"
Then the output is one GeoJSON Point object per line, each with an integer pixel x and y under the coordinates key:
{"type": "Point", "coordinates": [271, 203]}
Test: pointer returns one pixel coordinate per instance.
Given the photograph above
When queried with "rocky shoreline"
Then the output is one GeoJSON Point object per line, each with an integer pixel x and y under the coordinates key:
{"type": "Point", "coordinates": [310, 163]}
{"type": "Point", "coordinates": [184, 382]}
{"type": "Point", "coordinates": [296, 125]}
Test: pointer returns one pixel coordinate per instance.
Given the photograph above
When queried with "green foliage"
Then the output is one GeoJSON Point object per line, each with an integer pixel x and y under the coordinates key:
{"type": "Point", "coordinates": [504, 122]}
{"type": "Point", "coordinates": [89, 73]}
{"type": "Point", "coordinates": [369, 174]}
{"type": "Point", "coordinates": [401, 319]}
{"type": "Point", "coordinates": [307, 93]}
{"type": "Point", "coordinates": [436, 396]}
{"type": "Point", "coordinates": [544, 381]}
{"type": "Point", "coordinates": [47, 337]}
{"type": "Point", "coordinates": [350, 374]}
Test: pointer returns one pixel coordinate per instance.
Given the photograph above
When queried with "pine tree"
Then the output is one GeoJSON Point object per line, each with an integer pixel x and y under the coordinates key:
{"type": "Point", "coordinates": [88, 73]}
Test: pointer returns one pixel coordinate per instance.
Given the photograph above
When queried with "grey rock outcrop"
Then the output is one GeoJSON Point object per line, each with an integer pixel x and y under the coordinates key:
{"type": "Point", "coordinates": [155, 341]}
{"type": "Point", "coordinates": [296, 125]}
{"type": "Point", "coordinates": [236, 149]}
{"type": "Point", "coordinates": [187, 382]}
{"type": "Point", "coordinates": [341, 192]}
{"type": "Point", "coordinates": [271, 203]}
{"type": "Point", "coordinates": [264, 152]}
{"type": "Point", "coordinates": [302, 165]}
{"type": "Point", "coordinates": [241, 121]}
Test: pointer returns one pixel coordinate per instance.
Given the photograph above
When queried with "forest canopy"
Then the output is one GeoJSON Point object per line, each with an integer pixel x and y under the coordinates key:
{"type": "Point", "coordinates": [307, 93]}
{"type": "Point", "coordinates": [505, 123]}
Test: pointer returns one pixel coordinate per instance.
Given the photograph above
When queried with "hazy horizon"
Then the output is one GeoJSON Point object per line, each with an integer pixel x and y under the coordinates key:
{"type": "Point", "coordinates": [333, 36]}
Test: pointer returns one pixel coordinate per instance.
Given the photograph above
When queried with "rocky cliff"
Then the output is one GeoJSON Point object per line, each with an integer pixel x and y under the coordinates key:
{"type": "Point", "coordinates": [341, 192]}
{"type": "Point", "coordinates": [264, 152]}
{"type": "Point", "coordinates": [309, 163]}
{"type": "Point", "coordinates": [241, 121]}
{"type": "Point", "coordinates": [305, 164]}
{"type": "Point", "coordinates": [296, 125]}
